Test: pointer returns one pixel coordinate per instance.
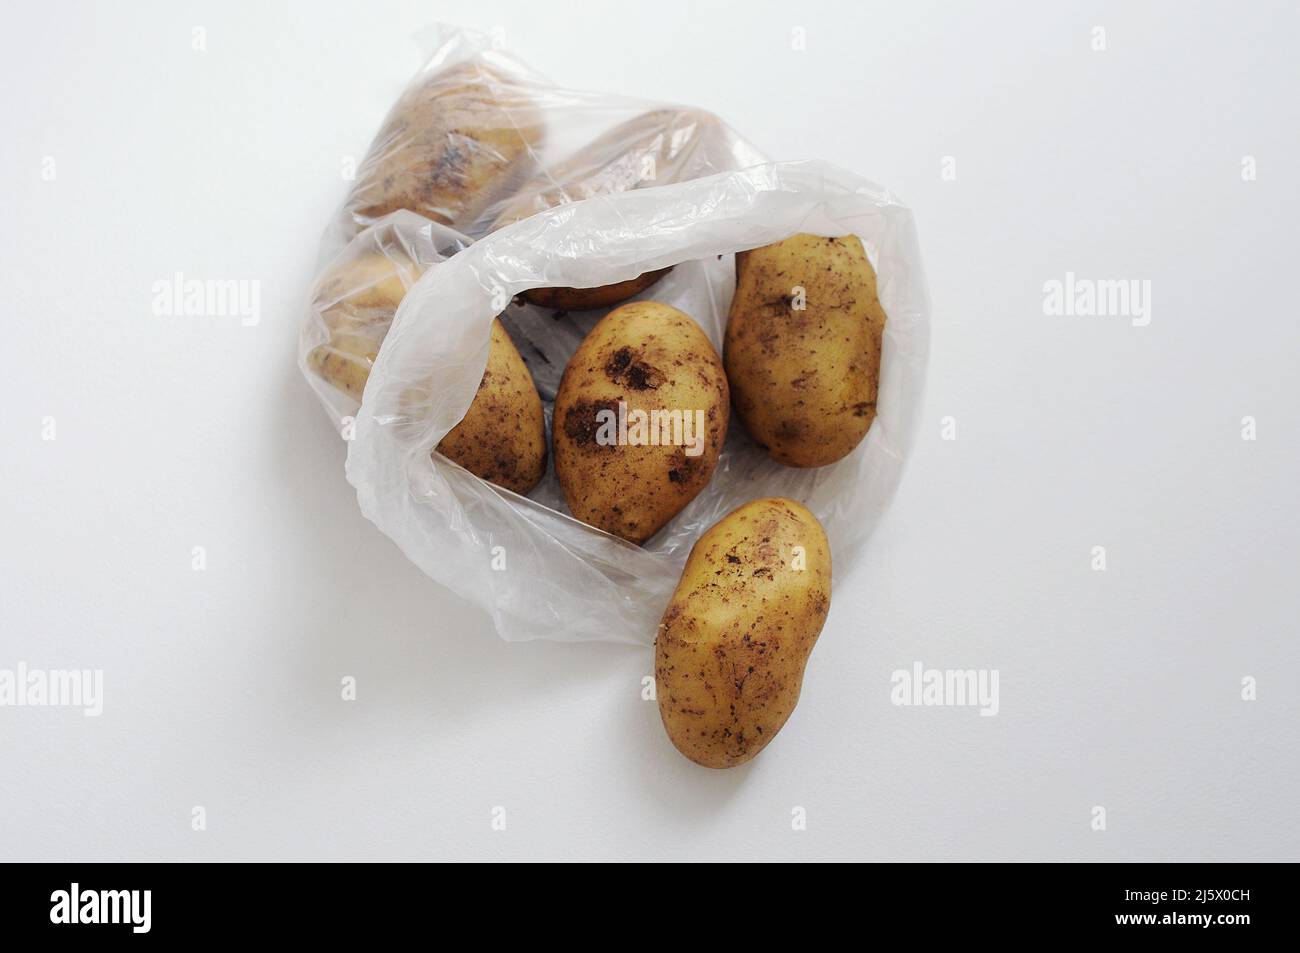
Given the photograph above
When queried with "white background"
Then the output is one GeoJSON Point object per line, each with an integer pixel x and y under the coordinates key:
{"type": "Point", "coordinates": [1119, 688]}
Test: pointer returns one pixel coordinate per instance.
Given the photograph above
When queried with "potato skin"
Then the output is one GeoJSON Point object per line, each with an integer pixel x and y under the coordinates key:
{"type": "Point", "coordinates": [502, 437]}
{"type": "Point", "coordinates": [652, 357]}
{"type": "Point", "coordinates": [449, 148]}
{"type": "Point", "coordinates": [805, 381]}
{"type": "Point", "coordinates": [589, 299]}
{"type": "Point", "coordinates": [357, 299]}
{"type": "Point", "coordinates": [371, 280]}
{"type": "Point", "coordinates": [345, 362]}
{"type": "Point", "coordinates": [733, 644]}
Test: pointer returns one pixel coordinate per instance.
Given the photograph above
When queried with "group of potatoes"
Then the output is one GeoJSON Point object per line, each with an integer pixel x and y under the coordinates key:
{"type": "Point", "coordinates": [800, 366]}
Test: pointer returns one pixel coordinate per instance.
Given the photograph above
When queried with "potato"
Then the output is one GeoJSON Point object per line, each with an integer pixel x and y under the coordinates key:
{"type": "Point", "coordinates": [356, 300]}
{"type": "Point", "coordinates": [589, 299]}
{"type": "Point", "coordinates": [501, 438]}
{"type": "Point", "coordinates": [655, 148]}
{"type": "Point", "coordinates": [734, 641]}
{"type": "Point", "coordinates": [651, 367]}
{"type": "Point", "coordinates": [371, 280]}
{"type": "Point", "coordinates": [449, 148]}
{"type": "Point", "coordinates": [345, 362]}
{"type": "Point", "coordinates": [804, 379]}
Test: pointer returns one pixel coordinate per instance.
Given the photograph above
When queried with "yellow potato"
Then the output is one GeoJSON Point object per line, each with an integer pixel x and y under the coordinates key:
{"type": "Point", "coordinates": [345, 362]}
{"type": "Point", "coordinates": [640, 418]}
{"type": "Point", "coordinates": [371, 280]}
{"type": "Point", "coordinates": [734, 641]}
{"type": "Point", "coordinates": [803, 345]}
{"type": "Point", "coordinates": [502, 437]}
{"type": "Point", "coordinates": [357, 299]}
{"type": "Point", "coordinates": [655, 148]}
{"type": "Point", "coordinates": [589, 299]}
{"type": "Point", "coordinates": [449, 148]}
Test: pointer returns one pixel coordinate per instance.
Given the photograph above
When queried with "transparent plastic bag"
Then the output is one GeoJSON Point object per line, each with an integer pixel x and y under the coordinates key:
{"type": "Point", "coordinates": [536, 570]}
{"type": "Point", "coordinates": [355, 298]}
{"type": "Point", "coordinates": [478, 140]}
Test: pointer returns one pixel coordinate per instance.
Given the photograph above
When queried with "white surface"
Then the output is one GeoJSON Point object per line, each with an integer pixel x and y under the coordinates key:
{"type": "Point", "coordinates": [1119, 689]}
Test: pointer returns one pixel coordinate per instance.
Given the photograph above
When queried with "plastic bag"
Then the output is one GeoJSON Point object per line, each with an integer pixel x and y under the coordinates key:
{"type": "Point", "coordinates": [478, 140]}
{"type": "Point", "coordinates": [536, 570]}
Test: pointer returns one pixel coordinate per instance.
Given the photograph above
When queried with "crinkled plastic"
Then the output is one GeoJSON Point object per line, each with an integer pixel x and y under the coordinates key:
{"type": "Point", "coordinates": [355, 298]}
{"type": "Point", "coordinates": [478, 139]}
{"type": "Point", "coordinates": [476, 142]}
{"type": "Point", "coordinates": [536, 570]}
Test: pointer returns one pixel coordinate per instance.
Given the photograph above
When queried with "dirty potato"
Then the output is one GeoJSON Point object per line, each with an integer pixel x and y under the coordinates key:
{"type": "Point", "coordinates": [803, 346]}
{"type": "Point", "coordinates": [640, 418]}
{"type": "Point", "coordinates": [356, 300]}
{"type": "Point", "coordinates": [449, 148]}
{"type": "Point", "coordinates": [589, 299]}
{"type": "Point", "coordinates": [502, 437]}
{"type": "Point", "coordinates": [732, 646]}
